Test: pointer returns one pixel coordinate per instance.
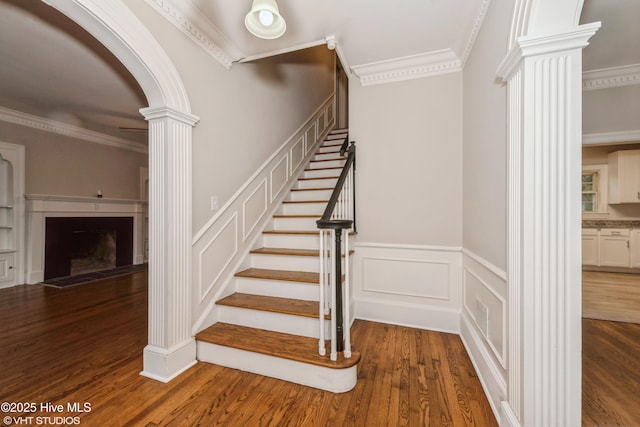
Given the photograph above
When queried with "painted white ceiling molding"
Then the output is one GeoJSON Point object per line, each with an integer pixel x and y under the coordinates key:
{"type": "Point", "coordinates": [606, 138]}
{"type": "Point", "coordinates": [611, 77]}
{"type": "Point", "coordinates": [408, 67]}
{"type": "Point", "coordinates": [48, 125]}
{"type": "Point", "coordinates": [475, 29]}
{"type": "Point", "coordinates": [195, 24]}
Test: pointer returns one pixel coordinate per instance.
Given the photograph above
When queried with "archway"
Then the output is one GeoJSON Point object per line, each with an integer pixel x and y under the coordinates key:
{"type": "Point", "coordinates": [171, 347]}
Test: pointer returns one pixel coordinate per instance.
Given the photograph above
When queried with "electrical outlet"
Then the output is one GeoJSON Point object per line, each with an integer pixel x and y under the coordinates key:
{"type": "Point", "coordinates": [482, 317]}
{"type": "Point", "coordinates": [214, 203]}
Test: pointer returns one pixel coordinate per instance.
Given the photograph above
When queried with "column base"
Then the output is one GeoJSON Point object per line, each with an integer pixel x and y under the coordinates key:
{"type": "Point", "coordinates": [165, 364]}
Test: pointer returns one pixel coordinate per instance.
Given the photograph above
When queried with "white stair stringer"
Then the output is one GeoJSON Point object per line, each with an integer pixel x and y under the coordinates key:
{"type": "Point", "coordinates": [291, 244]}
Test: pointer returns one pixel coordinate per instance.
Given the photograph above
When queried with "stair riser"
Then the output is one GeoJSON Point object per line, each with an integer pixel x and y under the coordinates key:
{"type": "Point", "coordinates": [318, 183]}
{"type": "Point", "coordinates": [328, 147]}
{"type": "Point", "coordinates": [277, 288]}
{"type": "Point", "coordinates": [327, 156]}
{"type": "Point", "coordinates": [327, 164]}
{"type": "Point", "coordinates": [310, 195]}
{"type": "Point", "coordinates": [321, 173]}
{"type": "Point", "coordinates": [286, 323]}
{"type": "Point", "coordinates": [303, 241]}
{"type": "Point", "coordinates": [304, 208]}
{"type": "Point", "coordinates": [285, 262]}
{"type": "Point", "coordinates": [295, 224]}
{"type": "Point", "coordinates": [332, 380]}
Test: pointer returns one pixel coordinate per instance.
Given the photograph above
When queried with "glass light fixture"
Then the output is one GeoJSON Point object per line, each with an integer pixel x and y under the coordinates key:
{"type": "Point", "coordinates": [264, 20]}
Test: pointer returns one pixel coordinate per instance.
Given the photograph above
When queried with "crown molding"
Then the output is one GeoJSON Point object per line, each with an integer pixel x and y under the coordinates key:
{"type": "Point", "coordinates": [195, 25]}
{"type": "Point", "coordinates": [605, 78]}
{"type": "Point", "coordinates": [484, 6]}
{"type": "Point", "coordinates": [409, 67]}
{"type": "Point", "coordinates": [48, 125]}
{"type": "Point", "coordinates": [608, 138]}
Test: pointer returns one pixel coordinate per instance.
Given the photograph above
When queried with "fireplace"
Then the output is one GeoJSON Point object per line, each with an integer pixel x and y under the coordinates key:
{"type": "Point", "coordinates": [77, 245]}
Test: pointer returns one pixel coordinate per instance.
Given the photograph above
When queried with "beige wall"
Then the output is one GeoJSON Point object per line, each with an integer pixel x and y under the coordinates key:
{"type": "Point", "coordinates": [59, 165]}
{"type": "Point", "coordinates": [611, 110]}
{"type": "Point", "coordinates": [409, 176]}
{"type": "Point", "coordinates": [485, 139]}
{"type": "Point", "coordinates": [246, 113]}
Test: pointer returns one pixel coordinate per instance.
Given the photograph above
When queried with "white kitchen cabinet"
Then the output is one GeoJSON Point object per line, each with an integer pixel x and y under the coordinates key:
{"type": "Point", "coordinates": [614, 247]}
{"type": "Point", "coordinates": [590, 247]}
{"type": "Point", "coordinates": [624, 177]}
{"type": "Point", "coordinates": [634, 243]}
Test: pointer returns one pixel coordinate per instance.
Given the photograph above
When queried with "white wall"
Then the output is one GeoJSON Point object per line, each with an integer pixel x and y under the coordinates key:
{"type": "Point", "coordinates": [246, 113]}
{"type": "Point", "coordinates": [484, 311]}
{"type": "Point", "coordinates": [409, 202]}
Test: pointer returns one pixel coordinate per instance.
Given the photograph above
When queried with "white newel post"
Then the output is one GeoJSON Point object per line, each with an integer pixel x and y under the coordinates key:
{"type": "Point", "coordinates": [544, 77]}
{"type": "Point", "coordinates": [171, 348]}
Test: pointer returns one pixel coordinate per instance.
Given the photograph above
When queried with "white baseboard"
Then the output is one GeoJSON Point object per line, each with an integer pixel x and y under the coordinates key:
{"type": "Point", "coordinates": [165, 364]}
{"type": "Point", "coordinates": [409, 314]}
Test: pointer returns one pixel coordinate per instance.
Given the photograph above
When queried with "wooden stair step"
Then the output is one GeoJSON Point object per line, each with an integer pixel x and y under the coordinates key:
{"type": "Point", "coordinates": [290, 252]}
{"type": "Point", "coordinates": [277, 344]}
{"type": "Point", "coordinates": [312, 189]}
{"type": "Point", "coordinates": [297, 216]}
{"type": "Point", "coordinates": [292, 232]}
{"type": "Point", "coordinates": [288, 275]}
{"type": "Point", "coordinates": [289, 306]}
{"type": "Point", "coordinates": [304, 201]}
{"type": "Point", "coordinates": [286, 251]}
{"type": "Point", "coordinates": [324, 169]}
{"type": "Point", "coordinates": [321, 177]}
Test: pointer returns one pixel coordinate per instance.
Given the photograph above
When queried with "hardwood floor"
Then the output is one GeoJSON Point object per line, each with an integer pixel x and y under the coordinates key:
{"type": "Point", "coordinates": [610, 373]}
{"type": "Point", "coordinates": [84, 344]}
{"type": "Point", "coordinates": [611, 296]}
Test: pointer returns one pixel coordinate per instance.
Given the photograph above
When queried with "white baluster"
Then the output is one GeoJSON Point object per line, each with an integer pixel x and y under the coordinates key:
{"type": "Point", "coordinates": [321, 345]}
{"type": "Point", "coordinates": [347, 300]}
{"type": "Point", "coordinates": [334, 347]}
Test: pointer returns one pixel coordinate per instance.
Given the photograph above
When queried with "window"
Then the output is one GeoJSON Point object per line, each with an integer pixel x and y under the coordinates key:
{"type": "Point", "coordinates": [590, 191]}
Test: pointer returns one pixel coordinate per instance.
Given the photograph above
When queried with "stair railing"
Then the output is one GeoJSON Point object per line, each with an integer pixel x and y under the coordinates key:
{"type": "Point", "coordinates": [335, 291]}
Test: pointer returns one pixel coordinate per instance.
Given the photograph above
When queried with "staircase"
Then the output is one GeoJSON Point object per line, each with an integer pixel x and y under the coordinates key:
{"type": "Point", "coordinates": [270, 325]}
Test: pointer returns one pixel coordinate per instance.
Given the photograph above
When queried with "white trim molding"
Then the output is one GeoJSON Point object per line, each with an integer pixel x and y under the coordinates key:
{"type": "Point", "coordinates": [605, 78]}
{"type": "Point", "coordinates": [473, 34]}
{"type": "Point", "coordinates": [47, 125]}
{"type": "Point", "coordinates": [412, 285]}
{"type": "Point", "coordinates": [195, 25]}
{"type": "Point", "coordinates": [428, 64]}
{"type": "Point", "coordinates": [544, 86]}
{"type": "Point", "coordinates": [610, 138]}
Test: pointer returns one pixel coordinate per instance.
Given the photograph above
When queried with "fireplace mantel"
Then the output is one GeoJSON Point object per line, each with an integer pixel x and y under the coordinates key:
{"type": "Point", "coordinates": [41, 206]}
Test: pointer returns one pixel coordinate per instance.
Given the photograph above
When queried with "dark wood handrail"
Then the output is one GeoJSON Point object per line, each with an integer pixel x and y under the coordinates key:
{"type": "Point", "coordinates": [326, 222]}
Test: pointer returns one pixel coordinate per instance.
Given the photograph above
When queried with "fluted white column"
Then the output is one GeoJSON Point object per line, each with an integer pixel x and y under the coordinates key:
{"type": "Point", "coordinates": [544, 76]}
{"type": "Point", "coordinates": [171, 348]}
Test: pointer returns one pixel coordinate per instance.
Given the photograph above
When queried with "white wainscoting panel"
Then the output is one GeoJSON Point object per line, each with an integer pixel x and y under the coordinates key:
{"type": "Point", "coordinates": [220, 247]}
{"type": "Point", "coordinates": [484, 324]}
{"type": "Point", "coordinates": [310, 135]}
{"type": "Point", "coordinates": [416, 286]}
{"type": "Point", "coordinates": [297, 153]}
{"type": "Point", "coordinates": [215, 256]}
{"type": "Point", "coordinates": [279, 176]}
{"type": "Point", "coordinates": [253, 208]}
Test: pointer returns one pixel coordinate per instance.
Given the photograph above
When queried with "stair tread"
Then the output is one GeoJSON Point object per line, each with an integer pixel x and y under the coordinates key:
{"type": "Point", "coordinates": [295, 307]}
{"type": "Point", "coordinates": [312, 189]}
{"type": "Point", "coordinates": [321, 177]}
{"type": "Point", "coordinates": [277, 344]}
{"type": "Point", "coordinates": [294, 232]}
{"type": "Point", "coordinates": [297, 216]}
{"type": "Point", "coordinates": [288, 275]}
{"type": "Point", "coordinates": [305, 201]}
{"type": "Point", "coordinates": [327, 160]}
{"type": "Point", "coordinates": [287, 251]}
{"type": "Point", "coordinates": [290, 251]}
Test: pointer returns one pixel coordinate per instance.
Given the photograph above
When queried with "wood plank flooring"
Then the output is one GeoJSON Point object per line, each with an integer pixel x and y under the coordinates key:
{"type": "Point", "coordinates": [84, 344]}
{"type": "Point", "coordinates": [611, 296]}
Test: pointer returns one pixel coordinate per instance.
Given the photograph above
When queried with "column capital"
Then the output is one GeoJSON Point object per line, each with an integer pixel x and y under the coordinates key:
{"type": "Point", "coordinates": [153, 113]}
{"type": "Point", "coordinates": [527, 46]}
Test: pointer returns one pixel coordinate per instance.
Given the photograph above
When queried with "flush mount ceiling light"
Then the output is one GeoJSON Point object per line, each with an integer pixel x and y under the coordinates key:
{"type": "Point", "coordinates": [264, 20]}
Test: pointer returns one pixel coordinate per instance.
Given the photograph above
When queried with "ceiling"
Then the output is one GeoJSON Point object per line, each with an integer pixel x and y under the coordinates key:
{"type": "Point", "coordinates": [52, 69]}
